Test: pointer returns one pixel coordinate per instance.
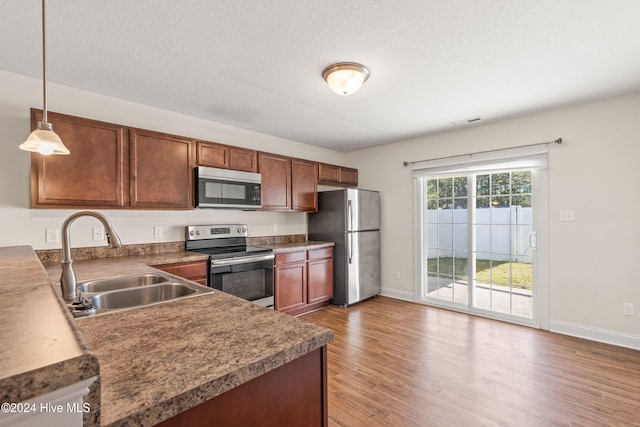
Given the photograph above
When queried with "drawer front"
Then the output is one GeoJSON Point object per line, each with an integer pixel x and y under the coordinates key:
{"type": "Point", "coordinates": [287, 257]}
{"type": "Point", "coordinates": [188, 270]}
{"type": "Point", "coordinates": [320, 253]}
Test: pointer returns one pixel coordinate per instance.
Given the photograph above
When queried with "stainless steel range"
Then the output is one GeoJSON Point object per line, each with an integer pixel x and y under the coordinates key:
{"type": "Point", "coordinates": [234, 268]}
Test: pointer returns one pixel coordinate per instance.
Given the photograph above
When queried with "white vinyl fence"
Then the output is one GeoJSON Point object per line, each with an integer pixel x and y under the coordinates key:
{"type": "Point", "coordinates": [502, 233]}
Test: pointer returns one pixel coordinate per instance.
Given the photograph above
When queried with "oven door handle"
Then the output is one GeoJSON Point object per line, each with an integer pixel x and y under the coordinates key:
{"type": "Point", "coordinates": [242, 260]}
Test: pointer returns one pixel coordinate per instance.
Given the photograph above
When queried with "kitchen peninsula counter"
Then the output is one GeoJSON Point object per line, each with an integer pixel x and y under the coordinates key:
{"type": "Point", "coordinates": [160, 360]}
{"type": "Point", "coordinates": [41, 348]}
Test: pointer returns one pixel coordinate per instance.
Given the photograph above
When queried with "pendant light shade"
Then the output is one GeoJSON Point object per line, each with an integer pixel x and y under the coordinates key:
{"type": "Point", "coordinates": [345, 78]}
{"type": "Point", "coordinates": [44, 140]}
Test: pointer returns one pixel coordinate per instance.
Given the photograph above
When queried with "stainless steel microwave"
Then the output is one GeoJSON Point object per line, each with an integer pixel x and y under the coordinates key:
{"type": "Point", "coordinates": [227, 189]}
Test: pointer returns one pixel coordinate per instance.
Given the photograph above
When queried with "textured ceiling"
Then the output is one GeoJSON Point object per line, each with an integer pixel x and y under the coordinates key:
{"type": "Point", "coordinates": [257, 64]}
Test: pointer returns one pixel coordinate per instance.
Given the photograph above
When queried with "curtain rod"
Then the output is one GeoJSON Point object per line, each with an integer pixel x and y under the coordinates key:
{"type": "Point", "coordinates": [557, 141]}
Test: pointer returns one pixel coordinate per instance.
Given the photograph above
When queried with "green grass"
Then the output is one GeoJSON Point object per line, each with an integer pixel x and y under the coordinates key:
{"type": "Point", "coordinates": [496, 272]}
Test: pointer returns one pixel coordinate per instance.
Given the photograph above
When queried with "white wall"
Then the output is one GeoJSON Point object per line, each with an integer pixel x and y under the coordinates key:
{"type": "Point", "coordinates": [20, 225]}
{"type": "Point", "coordinates": [594, 172]}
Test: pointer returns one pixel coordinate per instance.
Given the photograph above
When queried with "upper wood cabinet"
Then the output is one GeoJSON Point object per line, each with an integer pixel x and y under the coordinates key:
{"type": "Point", "coordinates": [337, 175]}
{"type": "Point", "coordinates": [161, 170]}
{"type": "Point", "coordinates": [288, 184]}
{"type": "Point", "coordinates": [94, 175]}
{"type": "Point", "coordinates": [276, 181]}
{"type": "Point", "coordinates": [113, 166]}
{"type": "Point", "coordinates": [227, 157]}
{"type": "Point", "coordinates": [304, 185]}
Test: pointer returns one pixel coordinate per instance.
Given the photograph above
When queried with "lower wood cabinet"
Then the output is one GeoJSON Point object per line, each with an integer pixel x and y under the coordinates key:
{"type": "Point", "coordinates": [294, 394]}
{"type": "Point", "coordinates": [303, 280]}
{"type": "Point", "coordinates": [195, 271]}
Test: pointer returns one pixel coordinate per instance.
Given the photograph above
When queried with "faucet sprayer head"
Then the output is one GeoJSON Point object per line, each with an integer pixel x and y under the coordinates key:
{"type": "Point", "coordinates": [112, 238]}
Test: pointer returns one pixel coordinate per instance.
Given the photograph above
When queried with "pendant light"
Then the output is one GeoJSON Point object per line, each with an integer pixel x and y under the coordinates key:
{"type": "Point", "coordinates": [345, 78]}
{"type": "Point", "coordinates": [44, 140]}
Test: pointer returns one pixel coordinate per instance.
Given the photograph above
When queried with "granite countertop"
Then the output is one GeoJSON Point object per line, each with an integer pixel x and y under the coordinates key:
{"type": "Point", "coordinates": [160, 360]}
{"type": "Point", "coordinates": [41, 347]}
{"type": "Point", "coordinates": [297, 246]}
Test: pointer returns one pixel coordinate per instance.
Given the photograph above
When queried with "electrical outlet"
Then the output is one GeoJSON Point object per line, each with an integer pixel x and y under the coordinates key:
{"type": "Point", "coordinates": [627, 308]}
{"type": "Point", "coordinates": [52, 235]}
{"type": "Point", "coordinates": [566, 215]}
{"type": "Point", "coordinates": [275, 228]}
{"type": "Point", "coordinates": [396, 274]}
{"type": "Point", "coordinates": [98, 234]}
{"type": "Point", "coordinates": [157, 232]}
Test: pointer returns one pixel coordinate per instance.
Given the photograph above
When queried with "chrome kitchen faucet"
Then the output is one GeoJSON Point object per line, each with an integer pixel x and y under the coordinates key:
{"type": "Point", "coordinates": [68, 280]}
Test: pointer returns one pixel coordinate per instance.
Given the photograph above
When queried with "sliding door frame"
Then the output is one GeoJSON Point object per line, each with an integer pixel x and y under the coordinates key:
{"type": "Point", "coordinates": [540, 300]}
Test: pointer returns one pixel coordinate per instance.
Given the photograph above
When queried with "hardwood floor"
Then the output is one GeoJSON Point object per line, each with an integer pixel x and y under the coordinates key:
{"type": "Point", "coordinates": [395, 363]}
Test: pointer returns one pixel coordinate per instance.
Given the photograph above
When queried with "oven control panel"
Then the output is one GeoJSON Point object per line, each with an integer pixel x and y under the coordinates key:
{"type": "Point", "coordinates": [216, 231]}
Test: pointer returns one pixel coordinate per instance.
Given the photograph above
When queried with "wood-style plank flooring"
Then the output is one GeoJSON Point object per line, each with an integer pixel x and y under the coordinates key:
{"type": "Point", "coordinates": [396, 363]}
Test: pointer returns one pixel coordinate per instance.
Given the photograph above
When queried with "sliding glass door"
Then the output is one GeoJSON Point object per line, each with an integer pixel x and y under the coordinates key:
{"type": "Point", "coordinates": [478, 243]}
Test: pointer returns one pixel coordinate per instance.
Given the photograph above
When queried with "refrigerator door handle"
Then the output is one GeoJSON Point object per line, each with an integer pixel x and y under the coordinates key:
{"type": "Point", "coordinates": [349, 231]}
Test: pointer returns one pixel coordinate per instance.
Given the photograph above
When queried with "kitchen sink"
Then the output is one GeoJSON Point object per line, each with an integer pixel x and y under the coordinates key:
{"type": "Point", "coordinates": [114, 283]}
{"type": "Point", "coordinates": [140, 296]}
{"type": "Point", "coordinates": [113, 294]}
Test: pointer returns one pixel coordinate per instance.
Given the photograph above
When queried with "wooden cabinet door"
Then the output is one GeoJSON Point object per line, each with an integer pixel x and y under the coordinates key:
{"type": "Point", "coordinates": [320, 275]}
{"type": "Point", "coordinates": [242, 159]}
{"type": "Point", "coordinates": [291, 286]}
{"type": "Point", "coordinates": [276, 181]}
{"type": "Point", "coordinates": [226, 157]}
{"type": "Point", "coordinates": [191, 270]}
{"type": "Point", "coordinates": [328, 173]}
{"type": "Point", "coordinates": [94, 175]}
{"type": "Point", "coordinates": [349, 177]}
{"type": "Point", "coordinates": [213, 155]}
{"type": "Point", "coordinates": [332, 174]}
{"type": "Point", "coordinates": [161, 168]}
{"type": "Point", "coordinates": [304, 185]}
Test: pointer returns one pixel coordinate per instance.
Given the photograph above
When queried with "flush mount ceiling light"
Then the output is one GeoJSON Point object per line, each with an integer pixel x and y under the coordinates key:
{"type": "Point", "coordinates": [345, 78]}
{"type": "Point", "coordinates": [44, 140]}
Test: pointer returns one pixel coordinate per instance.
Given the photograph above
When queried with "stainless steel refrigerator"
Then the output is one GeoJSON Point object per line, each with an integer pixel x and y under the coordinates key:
{"type": "Point", "coordinates": [351, 219]}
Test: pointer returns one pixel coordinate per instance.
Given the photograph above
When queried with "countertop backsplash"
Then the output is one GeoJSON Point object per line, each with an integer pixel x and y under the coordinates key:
{"type": "Point", "coordinates": [51, 256]}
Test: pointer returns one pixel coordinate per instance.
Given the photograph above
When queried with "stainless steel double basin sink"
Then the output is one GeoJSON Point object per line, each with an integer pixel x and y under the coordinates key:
{"type": "Point", "coordinates": [119, 293]}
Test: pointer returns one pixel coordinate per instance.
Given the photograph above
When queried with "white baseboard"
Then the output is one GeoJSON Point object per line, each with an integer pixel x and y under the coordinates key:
{"type": "Point", "coordinates": [596, 334]}
{"type": "Point", "coordinates": [394, 293]}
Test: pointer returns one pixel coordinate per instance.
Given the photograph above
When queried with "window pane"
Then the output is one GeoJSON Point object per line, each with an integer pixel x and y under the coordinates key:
{"type": "Point", "coordinates": [483, 202]}
{"type": "Point", "coordinates": [445, 187]}
{"type": "Point", "coordinates": [432, 235]}
{"type": "Point", "coordinates": [521, 182]}
{"type": "Point", "coordinates": [445, 214]}
{"type": "Point", "coordinates": [482, 185]}
{"type": "Point", "coordinates": [524, 201]}
{"type": "Point", "coordinates": [432, 187]}
{"type": "Point", "coordinates": [500, 201]}
{"type": "Point", "coordinates": [460, 204]}
{"type": "Point", "coordinates": [445, 236]}
{"type": "Point", "coordinates": [460, 186]}
{"type": "Point", "coordinates": [500, 183]}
